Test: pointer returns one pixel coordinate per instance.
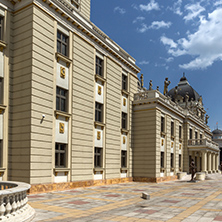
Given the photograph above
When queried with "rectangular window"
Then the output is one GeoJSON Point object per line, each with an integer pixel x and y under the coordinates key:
{"type": "Point", "coordinates": [99, 66]}
{"type": "Point", "coordinates": [191, 134]}
{"type": "Point", "coordinates": [180, 162]}
{"type": "Point", "coordinates": [172, 160]}
{"type": "Point", "coordinates": [98, 157]}
{"type": "Point", "coordinates": [99, 112]}
{"type": "Point", "coordinates": [62, 43]}
{"type": "Point", "coordinates": [180, 132]}
{"type": "Point", "coordinates": [162, 124]}
{"type": "Point", "coordinates": [1, 90]}
{"type": "Point", "coordinates": [1, 153]}
{"type": "Point", "coordinates": [1, 28]}
{"type": "Point", "coordinates": [123, 159]}
{"type": "Point", "coordinates": [196, 135]}
{"type": "Point", "coordinates": [124, 82]}
{"type": "Point", "coordinates": [172, 128]}
{"type": "Point", "coordinates": [162, 160]}
{"type": "Point", "coordinates": [124, 120]}
{"type": "Point", "coordinates": [60, 155]}
{"type": "Point", "coordinates": [61, 99]}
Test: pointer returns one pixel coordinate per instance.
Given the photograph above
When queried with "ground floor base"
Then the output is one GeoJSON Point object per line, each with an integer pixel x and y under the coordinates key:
{"type": "Point", "coordinates": [44, 188]}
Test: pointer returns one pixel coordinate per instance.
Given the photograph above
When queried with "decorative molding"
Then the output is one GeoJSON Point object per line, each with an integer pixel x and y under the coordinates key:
{"type": "Point", "coordinates": [98, 169]}
{"type": "Point", "coordinates": [65, 59]}
{"type": "Point", "coordinates": [98, 135]}
{"type": "Point", "coordinates": [124, 140]}
{"type": "Point", "coordinates": [124, 101]}
{"type": "Point", "coordinates": [98, 77]}
{"type": "Point", "coordinates": [171, 144]}
{"type": "Point", "coordinates": [57, 170]}
{"type": "Point", "coordinates": [61, 128]}
{"type": "Point", "coordinates": [125, 92]}
{"type": "Point", "coordinates": [2, 45]}
{"type": "Point", "coordinates": [162, 142]}
{"type": "Point", "coordinates": [60, 113]}
{"type": "Point", "coordinates": [2, 109]}
{"type": "Point", "coordinates": [62, 72]}
{"type": "Point", "coordinates": [99, 90]}
{"type": "Point", "coordinates": [124, 131]}
{"type": "Point", "coordinates": [102, 125]}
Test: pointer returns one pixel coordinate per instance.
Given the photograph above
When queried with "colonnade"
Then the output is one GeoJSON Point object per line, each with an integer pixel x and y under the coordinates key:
{"type": "Point", "coordinates": [210, 161]}
{"type": "Point", "coordinates": [206, 161]}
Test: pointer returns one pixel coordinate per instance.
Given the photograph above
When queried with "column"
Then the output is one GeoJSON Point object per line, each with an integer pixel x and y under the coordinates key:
{"type": "Point", "coordinates": [216, 163]}
{"type": "Point", "coordinates": [209, 162]}
{"type": "Point", "coordinates": [213, 162]}
{"type": "Point", "coordinates": [204, 161]}
{"type": "Point", "coordinates": [198, 162]}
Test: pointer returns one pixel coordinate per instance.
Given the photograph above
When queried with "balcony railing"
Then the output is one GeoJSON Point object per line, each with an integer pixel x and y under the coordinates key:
{"type": "Point", "coordinates": [203, 143]}
{"type": "Point", "coordinates": [13, 202]}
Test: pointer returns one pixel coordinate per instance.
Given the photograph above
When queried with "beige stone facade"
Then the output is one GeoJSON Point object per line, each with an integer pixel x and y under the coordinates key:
{"type": "Point", "coordinates": [63, 95]}
{"type": "Point", "coordinates": [167, 135]}
{"type": "Point", "coordinates": [70, 112]}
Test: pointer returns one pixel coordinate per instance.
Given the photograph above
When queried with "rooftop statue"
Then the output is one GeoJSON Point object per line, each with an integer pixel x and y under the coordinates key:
{"type": "Point", "coordinates": [150, 85]}
{"type": "Point", "coordinates": [206, 119]}
{"type": "Point", "coordinates": [166, 84]}
{"type": "Point", "coordinates": [142, 81]}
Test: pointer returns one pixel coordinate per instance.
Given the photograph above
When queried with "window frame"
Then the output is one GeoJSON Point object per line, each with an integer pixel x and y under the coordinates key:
{"type": "Point", "coordinates": [124, 121]}
{"type": "Point", "coordinates": [123, 159]}
{"type": "Point", "coordinates": [99, 66]}
{"type": "Point", "coordinates": [172, 160]}
{"type": "Point", "coordinates": [1, 27]}
{"type": "Point", "coordinates": [191, 134]}
{"type": "Point", "coordinates": [180, 161]}
{"type": "Point", "coordinates": [162, 159]}
{"type": "Point", "coordinates": [98, 157]}
{"type": "Point", "coordinates": [1, 89]}
{"type": "Point", "coordinates": [172, 128]}
{"type": "Point", "coordinates": [98, 112]}
{"type": "Point", "coordinates": [59, 152]}
{"type": "Point", "coordinates": [162, 124]}
{"type": "Point", "coordinates": [124, 82]}
{"type": "Point", "coordinates": [180, 132]}
{"type": "Point", "coordinates": [61, 97]}
{"type": "Point", "coordinates": [65, 43]}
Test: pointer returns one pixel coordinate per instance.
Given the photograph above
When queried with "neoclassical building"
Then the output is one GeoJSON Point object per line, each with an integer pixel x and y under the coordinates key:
{"type": "Point", "coordinates": [168, 131]}
{"type": "Point", "coordinates": [217, 137]}
{"type": "Point", "coordinates": [72, 111]}
{"type": "Point", "coordinates": [66, 96]}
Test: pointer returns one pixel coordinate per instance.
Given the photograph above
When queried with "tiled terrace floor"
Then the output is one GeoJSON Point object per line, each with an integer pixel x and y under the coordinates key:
{"type": "Point", "coordinates": [170, 201]}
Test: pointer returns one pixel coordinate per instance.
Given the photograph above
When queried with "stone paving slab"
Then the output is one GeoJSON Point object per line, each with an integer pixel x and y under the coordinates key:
{"type": "Point", "coordinates": [169, 201]}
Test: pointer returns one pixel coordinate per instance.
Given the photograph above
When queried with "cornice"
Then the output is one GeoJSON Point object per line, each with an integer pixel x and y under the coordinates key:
{"type": "Point", "coordinates": [87, 28]}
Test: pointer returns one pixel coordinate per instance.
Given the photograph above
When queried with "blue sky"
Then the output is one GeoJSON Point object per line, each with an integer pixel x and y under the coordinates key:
{"type": "Point", "coordinates": [168, 38]}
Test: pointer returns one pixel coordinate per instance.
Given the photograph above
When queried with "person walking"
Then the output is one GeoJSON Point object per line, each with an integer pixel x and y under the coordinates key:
{"type": "Point", "coordinates": [192, 169]}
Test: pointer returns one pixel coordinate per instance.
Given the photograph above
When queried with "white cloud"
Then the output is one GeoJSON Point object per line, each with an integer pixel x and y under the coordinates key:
{"type": "Point", "coordinates": [120, 10]}
{"type": "Point", "coordinates": [176, 7]}
{"type": "Point", "coordinates": [160, 24]}
{"type": "Point", "coordinates": [218, 3]}
{"type": "Point", "coordinates": [194, 10]}
{"type": "Point", "coordinates": [150, 6]}
{"type": "Point", "coordinates": [144, 62]}
{"type": "Point", "coordinates": [155, 25]}
{"type": "Point", "coordinates": [205, 44]}
{"type": "Point", "coordinates": [138, 19]}
{"type": "Point", "coordinates": [167, 41]}
{"type": "Point", "coordinates": [143, 28]}
{"type": "Point", "coordinates": [170, 59]}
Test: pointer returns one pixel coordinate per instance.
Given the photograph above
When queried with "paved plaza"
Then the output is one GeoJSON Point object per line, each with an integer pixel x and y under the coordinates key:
{"type": "Point", "coordinates": [169, 201]}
